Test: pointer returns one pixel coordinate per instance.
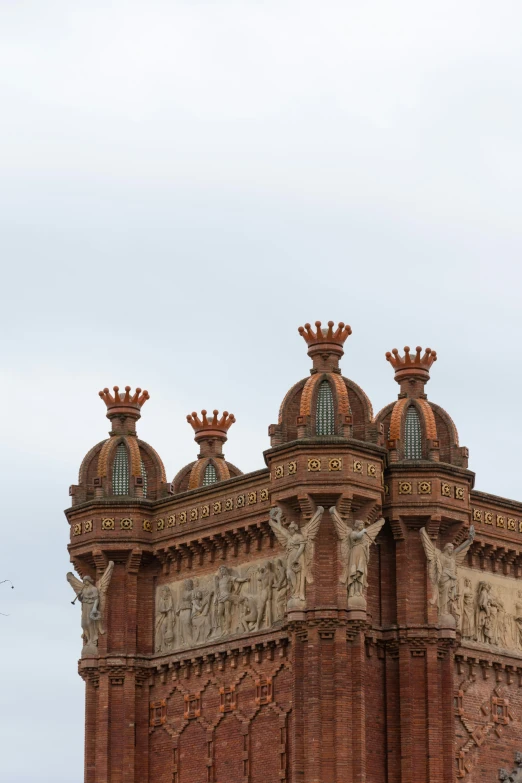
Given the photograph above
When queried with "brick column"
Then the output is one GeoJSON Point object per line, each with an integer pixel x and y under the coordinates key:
{"type": "Point", "coordinates": [358, 724]}
{"type": "Point", "coordinates": [91, 698]}
{"type": "Point", "coordinates": [312, 708]}
{"type": "Point", "coordinates": [102, 731]}
{"type": "Point", "coordinates": [343, 707]}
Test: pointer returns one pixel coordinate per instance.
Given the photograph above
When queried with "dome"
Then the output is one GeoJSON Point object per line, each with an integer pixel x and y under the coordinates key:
{"type": "Point", "coordinates": [326, 403]}
{"type": "Point", "coordinates": [122, 464]}
{"type": "Point", "coordinates": [414, 427]}
{"type": "Point", "coordinates": [210, 466]}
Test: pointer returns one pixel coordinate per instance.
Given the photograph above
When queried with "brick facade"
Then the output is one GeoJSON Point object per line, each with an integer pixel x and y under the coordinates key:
{"type": "Point", "coordinates": [318, 693]}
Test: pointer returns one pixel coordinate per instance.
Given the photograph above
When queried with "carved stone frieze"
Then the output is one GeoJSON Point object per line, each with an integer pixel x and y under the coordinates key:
{"type": "Point", "coordinates": [488, 609]}
{"type": "Point", "coordinates": [231, 601]}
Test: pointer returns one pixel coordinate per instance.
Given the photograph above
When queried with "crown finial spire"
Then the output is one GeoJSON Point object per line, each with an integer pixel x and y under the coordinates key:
{"type": "Point", "coordinates": [325, 344]}
{"type": "Point", "coordinates": [410, 367]}
{"type": "Point", "coordinates": [123, 403]}
{"type": "Point", "coordinates": [211, 431]}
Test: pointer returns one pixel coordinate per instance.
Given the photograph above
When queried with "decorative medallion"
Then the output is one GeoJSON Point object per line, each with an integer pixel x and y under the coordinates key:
{"type": "Point", "coordinates": [264, 690]}
{"type": "Point", "coordinates": [314, 464]}
{"type": "Point", "coordinates": [263, 495]}
{"type": "Point", "coordinates": [160, 524]}
{"type": "Point", "coordinates": [107, 524]}
{"type": "Point", "coordinates": [252, 498]}
{"type": "Point", "coordinates": [371, 470]}
{"type": "Point", "coordinates": [511, 523]}
{"type": "Point", "coordinates": [192, 705]}
{"type": "Point", "coordinates": [477, 515]}
{"type": "Point", "coordinates": [158, 712]}
{"type": "Point", "coordinates": [357, 466]}
{"type": "Point", "coordinates": [87, 526]}
{"type": "Point", "coordinates": [292, 468]}
{"type": "Point", "coordinates": [459, 493]}
{"type": "Point", "coordinates": [424, 487]}
{"type": "Point", "coordinates": [279, 471]}
{"type": "Point", "coordinates": [405, 488]}
{"type": "Point", "coordinates": [488, 518]}
{"type": "Point", "coordinates": [77, 529]}
{"type": "Point", "coordinates": [182, 517]}
{"type": "Point", "coordinates": [217, 507]}
{"type": "Point", "coordinates": [171, 521]}
{"type": "Point", "coordinates": [501, 521]}
{"type": "Point", "coordinates": [229, 504]}
{"type": "Point", "coordinates": [335, 464]}
{"type": "Point", "coordinates": [205, 511]}
{"type": "Point", "coordinates": [445, 490]}
{"type": "Point", "coordinates": [240, 501]}
{"type": "Point", "coordinates": [193, 514]}
{"type": "Point", "coordinates": [126, 524]}
{"type": "Point", "coordinates": [227, 695]}
{"type": "Point", "coordinates": [147, 525]}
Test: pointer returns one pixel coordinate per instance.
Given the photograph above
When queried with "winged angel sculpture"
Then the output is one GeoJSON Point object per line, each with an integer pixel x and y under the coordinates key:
{"type": "Point", "coordinates": [355, 555]}
{"type": "Point", "coordinates": [442, 569]}
{"type": "Point", "coordinates": [93, 599]}
{"type": "Point", "coordinates": [299, 547]}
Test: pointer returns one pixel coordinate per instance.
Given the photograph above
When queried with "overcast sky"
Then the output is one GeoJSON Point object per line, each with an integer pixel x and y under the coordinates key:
{"type": "Point", "coordinates": [182, 185]}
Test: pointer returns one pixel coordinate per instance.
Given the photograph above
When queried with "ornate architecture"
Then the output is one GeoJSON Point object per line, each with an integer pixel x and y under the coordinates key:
{"type": "Point", "coordinates": [351, 612]}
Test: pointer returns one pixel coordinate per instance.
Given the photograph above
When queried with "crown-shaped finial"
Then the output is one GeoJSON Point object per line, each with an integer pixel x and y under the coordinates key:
{"type": "Point", "coordinates": [211, 427]}
{"type": "Point", "coordinates": [123, 403]}
{"type": "Point", "coordinates": [409, 366]}
{"type": "Point", "coordinates": [322, 335]}
{"type": "Point", "coordinates": [325, 345]}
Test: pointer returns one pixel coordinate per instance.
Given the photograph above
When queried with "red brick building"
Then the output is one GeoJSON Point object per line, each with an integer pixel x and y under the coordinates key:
{"type": "Point", "coordinates": [228, 645]}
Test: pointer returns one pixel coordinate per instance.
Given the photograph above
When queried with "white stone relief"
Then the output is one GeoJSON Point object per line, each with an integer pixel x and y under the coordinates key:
{"type": "Point", "coordinates": [92, 598]}
{"type": "Point", "coordinates": [355, 556]}
{"type": "Point", "coordinates": [443, 567]}
{"type": "Point", "coordinates": [299, 548]}
{"type": "Point", "coordinates": [489, 609]}
{"type": "Point", "coordinates": [195, 611]}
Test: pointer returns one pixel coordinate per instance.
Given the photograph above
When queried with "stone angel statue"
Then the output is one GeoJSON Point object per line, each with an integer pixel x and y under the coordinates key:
{"type": "Point", "coordinates": [355, 555]}
{"type": "Point", "coordinates": [442, 569]}
{"type": "Point", "coordinates": [93, 599]}
{"type": "Point", "coordinates": [299, 547]}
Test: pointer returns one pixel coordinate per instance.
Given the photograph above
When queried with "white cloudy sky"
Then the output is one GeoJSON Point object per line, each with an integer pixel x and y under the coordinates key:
{"type": "Point", "coordinates": [185, 183]}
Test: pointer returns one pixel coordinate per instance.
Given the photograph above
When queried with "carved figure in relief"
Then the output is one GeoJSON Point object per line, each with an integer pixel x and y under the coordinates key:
{"type": "Point", "coordinates": [165, 620]}
{"type": "Point", "coordinates": [443, 573]}
{"type": "Point", "coordinates": [265, 578]}
{"type": "Point", "coordinates": [200, 615]}
{"type": "Point", "coordinates": [355, 555]}
{"type": "Point", "coordinates": [468, 614]}
{"type": "Point", "coordinates": [280, 587]}
{"type": "Point", "coordinates": [250, 617]}
{"type": "Point", "coordinates": [483, 624]}
{"type": "Point", "coordinates": [518, 618]}
{"type": "Point", "coordinates": [93, 600]}
{"type": "Point", "coordinates": [226, 597]}
{"type": "Point", "coordinates": [185, 612]}
{"type": "Point", "coordinates": [299, 547]}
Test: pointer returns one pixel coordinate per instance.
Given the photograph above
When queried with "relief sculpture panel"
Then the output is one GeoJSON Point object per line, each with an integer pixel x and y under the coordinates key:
{"type": "Point", "coordinates": [190, 612]}
{"type": "Point", "coordinates": [488, 609]}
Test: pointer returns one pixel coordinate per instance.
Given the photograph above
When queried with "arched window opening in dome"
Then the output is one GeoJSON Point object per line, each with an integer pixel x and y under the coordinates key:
{"type": "Point", "coordinates": [144, 477]}
{"type": "Point", "coordinates": [325, 415]}
{"type": "Point", "coordinates": [210, 475]}
{"type": "Point", "coordinates": [120, 471]}
{"type": "Point", "coordinates": [412, 435]}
